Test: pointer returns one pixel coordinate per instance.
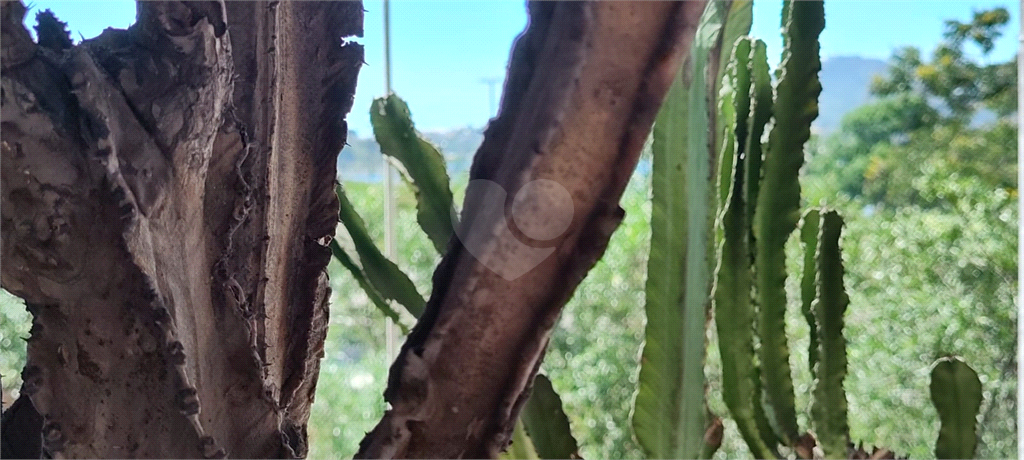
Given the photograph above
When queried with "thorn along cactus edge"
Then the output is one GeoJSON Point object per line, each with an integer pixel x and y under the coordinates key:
{"type": "Point", "coordinates": [169, 205]}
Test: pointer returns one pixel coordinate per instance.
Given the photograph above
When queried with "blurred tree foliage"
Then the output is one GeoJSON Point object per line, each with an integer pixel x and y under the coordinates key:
{"type": "Point", "coordinates": [14, 325]}
{"type": "Point", "coordinates": [954, 76]}
{"type": "Point", "coordinates": [900, 174]}
{"type": "Point", "coordinates": [844, 156]}
{"type": "Point", "coordinates": [928, 177]}
{"type": "Point", "coordinates": [926, 283]}
{"type": "Point", "coordinates": [951, 115]}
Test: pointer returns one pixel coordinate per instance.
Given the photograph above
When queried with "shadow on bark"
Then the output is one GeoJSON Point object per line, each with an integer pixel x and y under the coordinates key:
{"type": "Point", "coordinates": [585, 82]}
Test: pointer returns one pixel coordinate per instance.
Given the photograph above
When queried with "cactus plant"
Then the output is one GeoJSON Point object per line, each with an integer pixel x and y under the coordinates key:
{"type": "Point", "coordinates": [829, 409]}
{"type": "Point", "coordinates": [733, 284]}
{"type": "Point", "coordinates": [421, 164]}
{"type": "Point", "coordinates": [759, 200]}
{"type": "Point", "coordinates": [669, 413]}
{"type": "Point", "coordinates": [956, 393]}
{"type": "Point", "coordinates": [777, 211]}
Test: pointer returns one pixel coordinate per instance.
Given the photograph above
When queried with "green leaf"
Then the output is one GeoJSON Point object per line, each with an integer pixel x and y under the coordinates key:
{"type": "Point", "coordinates": [829, 408]}
{"type": "Point", "coordinates": [778, 208]}
{"type": "Point", "coordinates": [421, 164]}
{"type": "Point", "coordinates": [546, 423]}
{"type": "Point", "coordinates": [522, 447]}
{"type": "Point", "coordinates": [808, 288]}
{"type": "Point", "coordinates": [738, 22]}
{"type": "Point", "coordinates": [764, 426]}
{"type": "Point", "coordinates": [371, 292]}
{"type": "Point", "coordinates": [761, 94]}
{"type": "Point", "coordinates": [956, 394]}
{"type": "Point", "coordinates": [382, 274]}
{"type": "Point", "coordinates": [668, 415]}
{"type": "Point", "coordinates": [733, 111]}
{"type": "Point", "coordinates": [734, 311]}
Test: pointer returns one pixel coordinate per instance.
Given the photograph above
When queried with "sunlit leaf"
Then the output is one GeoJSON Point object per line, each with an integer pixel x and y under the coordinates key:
{"type": "Point", "coordinates": [778, 205]}
{"type": "Point", "coordinates": [381, 274]}
{"type": "Point", "coordinates": [668, 416]}
{"type": "Point", "coordinates": [956, 393]}
{"type": "Point", "coordinates": [829, 409]}
{"type": "Point", "coordinates": [422, 166]}
{"type": "Point", "coordinates": [546, 423]}
{"type": "Point", "coordinates": [734, 311]}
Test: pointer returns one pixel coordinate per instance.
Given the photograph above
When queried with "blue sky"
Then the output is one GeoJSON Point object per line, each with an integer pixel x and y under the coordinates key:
{"type": "Point", "coordinates": [442, 51]}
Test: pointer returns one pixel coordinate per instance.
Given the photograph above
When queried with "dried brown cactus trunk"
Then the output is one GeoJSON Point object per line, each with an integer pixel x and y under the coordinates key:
{"type": "Point", "coordinates": [167, 199]}
{"type": "Point", "coordinates": [585, 82]}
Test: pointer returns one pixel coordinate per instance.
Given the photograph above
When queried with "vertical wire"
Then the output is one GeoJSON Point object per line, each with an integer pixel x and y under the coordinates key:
{"type": "Point", "coordinates": [390, 211]}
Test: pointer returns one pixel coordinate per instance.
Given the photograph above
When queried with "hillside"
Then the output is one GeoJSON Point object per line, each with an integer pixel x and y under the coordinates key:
{"type": "Point", "coordinates": [845, 84]}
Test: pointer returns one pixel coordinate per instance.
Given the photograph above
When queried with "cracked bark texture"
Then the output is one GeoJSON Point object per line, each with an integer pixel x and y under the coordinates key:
{"type": "Point", "coordinates": [584, 85]}
{"type": "Point", "coordinates": [167, 201]}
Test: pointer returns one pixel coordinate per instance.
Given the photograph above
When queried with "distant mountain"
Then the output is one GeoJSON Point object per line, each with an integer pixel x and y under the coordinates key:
{"type": "Point", "coordinates": [360, 159]}
{"type": "Point", "coordinates": [845, 83]}
{"type": "Point", "coordinates": [457, 146]}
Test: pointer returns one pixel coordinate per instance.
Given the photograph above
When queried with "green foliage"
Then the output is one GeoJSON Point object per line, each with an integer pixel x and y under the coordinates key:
{"type": "Point", "coordinates": [421, 165]}
{"type": "Point", "coordinates": [983, 29]}
{"type": "Point", "coordinates": [546, 423]}
{"type": "Point", "coordinates": [668, 419]}
{"type": "Point", "coordinates": [939, 281]}
{"type": "Point", "coordinates": [15, 322]}
{"type": "Point", "coordinates": [379, 273]}
{"type": "Point", "coordinates": [808, 283]}
{"type": "Point", "coordinates": [364, 282]}
{"type": "Point", "coordinates": [353, 373]}
{"type": "Point", "coordinates": [891, 171]}
{"type": "Point", "coordinates": [962, 84]}
{"type": "Point", "coordinates": [350, 391]}
{"type": "Point", "coordinates": [897, 175]}
{"type": "Point", "coordinates": [777, 212]}
{"type": "Point", "coordinates": [888, 120]}
{"type": "Point", "coordinates": [924, 109]}
{"type": "Point", "coordinates": [891, 120]}
{"type": "Point", "coordinates": [956, 393]}
{"type": "Point", "coordinates": [522, 446]}
{"type": "Point", "coordinates": [829, 307]}
{"type": "Point", "coordinates": [593, 356]}
{"type": "Point", "coordinates": [946, 192]}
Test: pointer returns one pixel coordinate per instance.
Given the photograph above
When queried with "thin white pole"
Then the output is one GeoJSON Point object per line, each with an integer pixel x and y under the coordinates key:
{"type": "Point", "coordinates": [387, 48]}
{"type": "Point", "coordinates": [1020, 228]}
{"type": "Point", "coordinates": [390, 210]}
{"type": "Point", "coordinates": [490, 82]}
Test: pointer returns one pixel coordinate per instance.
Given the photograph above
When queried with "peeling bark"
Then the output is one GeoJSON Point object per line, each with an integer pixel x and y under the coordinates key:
{"type": "Point", "coordinates": [585, 83]}
{"type": "Point", "coordinates": [167, 201]}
